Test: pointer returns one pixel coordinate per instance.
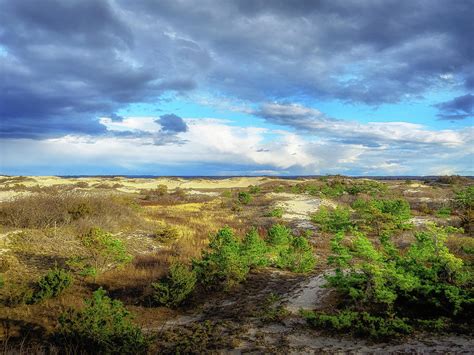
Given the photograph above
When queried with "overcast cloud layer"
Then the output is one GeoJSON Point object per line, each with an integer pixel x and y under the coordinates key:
{"type": "Point", "coordinates": [68, 68]}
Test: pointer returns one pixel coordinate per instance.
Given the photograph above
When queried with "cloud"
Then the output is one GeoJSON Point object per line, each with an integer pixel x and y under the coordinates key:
{"type": "Point", "coordinates": [137, 145]}
{"type": "Point", "coordinates": [172, 123]}
{"type": "Point", "coordinates": [459, 108]}
{"type": "Point", "coordinates": [64, 63]}
{"type": "Point", "coordinates": [373, 134]}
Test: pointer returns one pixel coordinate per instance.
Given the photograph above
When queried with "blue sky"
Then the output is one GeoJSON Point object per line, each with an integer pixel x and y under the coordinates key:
{"type": "Point", "coordinates": [236, 87]}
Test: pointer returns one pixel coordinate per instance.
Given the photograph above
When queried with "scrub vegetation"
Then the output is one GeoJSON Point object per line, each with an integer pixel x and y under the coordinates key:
{"type": "Point", "coordinates": [122, 265]}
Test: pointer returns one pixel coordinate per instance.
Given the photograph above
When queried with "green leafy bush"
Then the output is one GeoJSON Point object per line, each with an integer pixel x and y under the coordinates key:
{"type": "Point", "coordinates": [102, 326]}
{"type": "Point", "coordinates": [254, 189]}
{"type": "Point", "coordinates": [465, 198]}
{"type": "Point", "coordinates": [222, 265]}
{"type": "Point", "coordinates": [254, 250]}
{"type": "Point", "coordinates": [278, 236]}
{"type": "Point", "coordinates": [333, 220]}
{"type": "Point", "coordinates": [244, 197]}
{"type": "Point", "coordinates": [418, 285]}
{"type": "Point", "coordinates": [105, 250]}
{"type": "Point", "coordinates": [297, 257]}
{"type": "Point", "coordinates": [51, 285]}
{"type": "Point", "coordinates": [276, 212]}
{"type": "Point", "coordinates": [176, 287]}
{"type": "Point", "coordinates": [381, 215]}
{"type": "Point", "coordinates": [444, 212]}
{"type": "Point", "coordinates": [359, 323]}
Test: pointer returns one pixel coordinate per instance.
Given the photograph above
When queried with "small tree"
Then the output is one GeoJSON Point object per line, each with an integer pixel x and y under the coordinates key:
{"type": "Point", "coordinates": [51, 285]}
{"type": "Point", "coordinates": [103, 326]}
{"type": "Point", "coordinates": [104, 249]}
{"type": "Point", "coordinates": [254, 249]}
{"type": "Point", "coordinates": [298, 257]}
{"type": "Point", "coordinates": [176, 287]}
{"type": "Point", "coordinates": [222, 265]}
{"type": "Point", "coordinates": [244, 197]}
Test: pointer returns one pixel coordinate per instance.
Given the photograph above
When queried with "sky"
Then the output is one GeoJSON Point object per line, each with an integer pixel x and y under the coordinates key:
{"type": "Point", "coordinates": [249, 87]}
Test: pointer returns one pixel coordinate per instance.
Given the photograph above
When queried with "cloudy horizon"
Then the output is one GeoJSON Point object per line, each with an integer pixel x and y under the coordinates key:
{"type": "Point", "coordinates": [237, 87]}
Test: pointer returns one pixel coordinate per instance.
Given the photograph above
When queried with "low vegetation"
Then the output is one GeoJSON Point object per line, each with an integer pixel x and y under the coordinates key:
{"type": "Point", "coordinates": [102, 326]}
{"type": "Point", "coordinates": [399, 261]}
{"type": "Point", "coordinates": [387, 291]}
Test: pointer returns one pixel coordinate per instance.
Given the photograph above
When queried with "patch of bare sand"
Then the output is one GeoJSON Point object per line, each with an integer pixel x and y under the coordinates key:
{"type": "Point", "coordinates": [298, 206]}
{"type": "Point", "coordinates": [311, 294]}
{"type": "Point", "coordinates": [136, 184]}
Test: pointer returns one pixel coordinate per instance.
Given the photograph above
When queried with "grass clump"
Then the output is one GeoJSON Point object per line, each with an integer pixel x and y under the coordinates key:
{"type": "Point", "coordinates": [175, 288]}
{"type": "Point", "coordinates": [52, 284]}
{"type": "Point", "coordinates": [103, 326]}
{"type": "Point", "coordinates": [386, 291]}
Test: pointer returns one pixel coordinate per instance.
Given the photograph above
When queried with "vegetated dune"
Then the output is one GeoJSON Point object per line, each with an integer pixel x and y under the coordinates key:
{"type": "Point", "coordinates": [123, 234]}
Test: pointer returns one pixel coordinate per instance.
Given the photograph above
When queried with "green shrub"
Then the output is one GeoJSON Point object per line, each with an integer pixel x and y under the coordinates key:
{"type": "Point", "coordinates": [51, 285]}
{"type": "Point", "coordinates": [103, 326]}
{"type": "Point", "coordinates": [222, 265]}
{"type": "Point", "coordinates": [176, 287]}
{"type": "Point", "coordinates": [254, 250]}
{"type": "Point", "coordinates": [2, 281]}
{"type": "Point", "coordinates": [333, 220]}
{"type": "Point", "coordinates": [254, 189]}
{"type": "Point", "coordinates": [278, 235]}
{"type": "Point", "coordinates": [381, 215]}
{"type": "Point", "coordinates": [272, 309]}
{"type": "Point", "coordinates": [424, 282]}
{"type": "Point", "coordinates": [465, 198]}
{"type": "Point", "coordinates": [244, 197]}
{"type": "Point", "coordinates": [358, 323]}
{"type": "Point", "coordinates": [105, 250]}
{"type": "Point", "coordinates": [297, 257]}
{"type": "Point", "coordinates": [276, 212]}
{"type": "Point", "coordinates": [443, 212]}
{"type": "Point", "coordinates": [167, 234]}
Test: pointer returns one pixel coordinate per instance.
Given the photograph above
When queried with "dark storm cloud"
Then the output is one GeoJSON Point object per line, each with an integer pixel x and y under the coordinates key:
{"type": "Point", "coordinates": [66, 62]}
{"type": "Point", "coordinates": [172, 123]}
{"type": "Point", "coordinates": [459, 108]}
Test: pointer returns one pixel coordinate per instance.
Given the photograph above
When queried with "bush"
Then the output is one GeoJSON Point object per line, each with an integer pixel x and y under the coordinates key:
{"type": "Point", "coordinates": [443, 212]}
{"type": "Point", "coordinates": [244, 197]}
{"type": "Point", "coordinates": [381, 216]}
{"type": "Point", "coordinates": [105, 250]}
{"type": "Point", "coordinates": [167, 234]}
{"type": "Point", "coordinates": [422, 283]}
{"type": "Point", "coordinates": [222, 266]}
{"type": "Point", "coordinates": [333, 220]}
{"type": "Point", "coordinates": [51, 285]}
{"type": "Point", "coordinates": [254, 250]}
{"type": "Point", "coordinates": [276, 212]}
{"type": "Point", "coordinates": [278, 236]}
{"type": "Point", "coordinates": [176, 287]}
{"type": "Point", "coordinates": [359, 323]}
{"type": "Point", "coordinates": [103, 326]}
{"type": "Point", "coordinates": [465, 198]}
{"type": "Point", "coordinates": [297, 257]}
{"type": "Point", "coordinates": [254, 189]}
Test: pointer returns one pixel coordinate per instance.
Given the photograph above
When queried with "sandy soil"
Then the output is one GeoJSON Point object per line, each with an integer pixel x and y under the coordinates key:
{"type": "Point", "coordinates": [299, 206]}
{"type": "Point", "coordinates": [309, 295]}
{"type": "Point", "coordinates": [148, 183]}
